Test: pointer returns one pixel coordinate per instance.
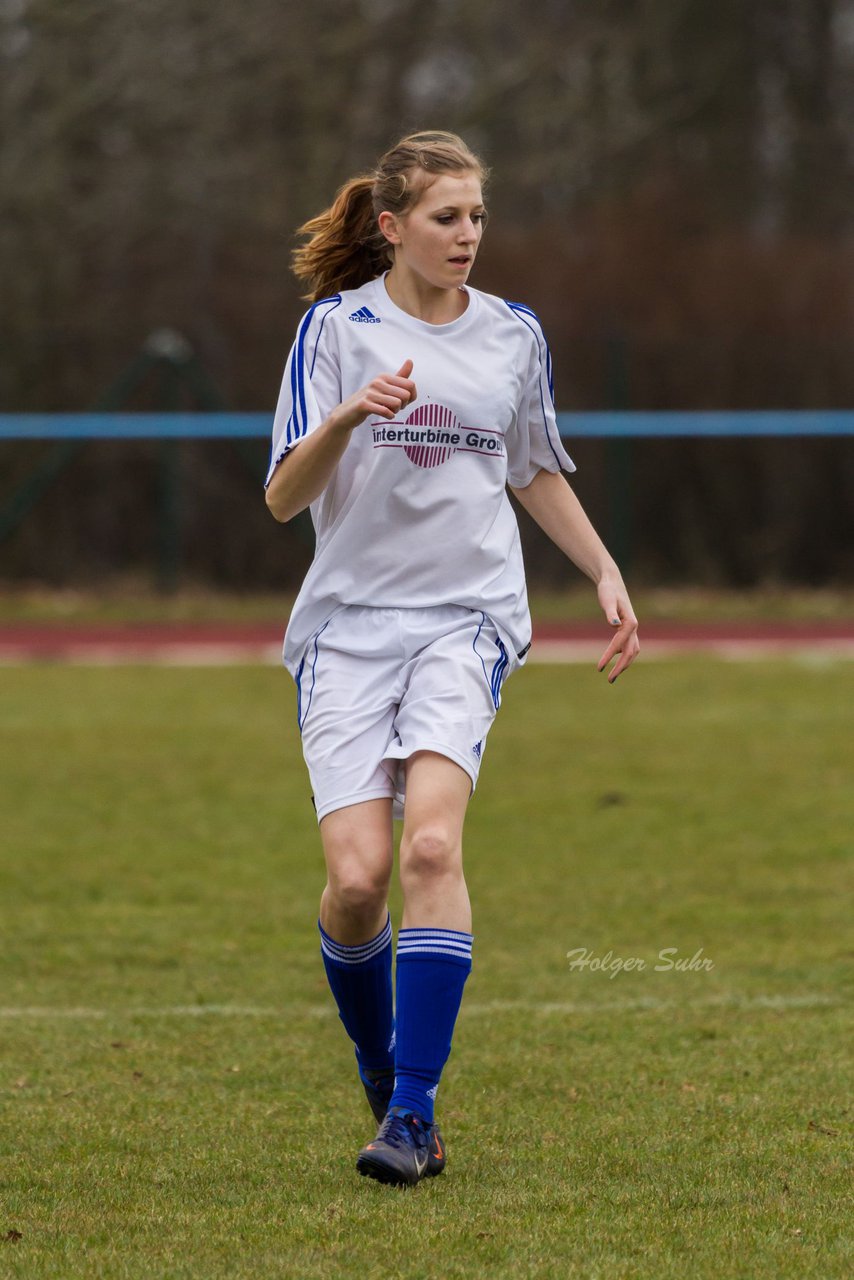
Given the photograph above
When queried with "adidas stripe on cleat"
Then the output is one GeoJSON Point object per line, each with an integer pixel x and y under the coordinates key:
{"type": "Point", "coordinates": [404, 1151]}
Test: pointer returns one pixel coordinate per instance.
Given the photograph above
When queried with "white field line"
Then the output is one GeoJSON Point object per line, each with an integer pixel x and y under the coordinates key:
{"type": "Point", "coordinates": [200, 654]}
{"type": "Point", "coordinates": [489, 1008]}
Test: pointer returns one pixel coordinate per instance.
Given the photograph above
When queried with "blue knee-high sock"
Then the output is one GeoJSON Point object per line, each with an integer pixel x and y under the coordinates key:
{"type": "Point", "coordinates": [360, 980]}
{"type": "Point", "coordinates": [432, 967]}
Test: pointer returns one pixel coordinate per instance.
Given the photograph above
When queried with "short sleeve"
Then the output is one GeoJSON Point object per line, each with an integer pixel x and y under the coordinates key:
{"type": "Point", "coordinates": [311, 386]}
{"type": "Point", "coordinates": [534, 443]}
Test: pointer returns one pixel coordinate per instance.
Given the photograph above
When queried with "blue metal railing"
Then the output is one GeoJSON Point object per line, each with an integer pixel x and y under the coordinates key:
{"type": "Point", "coordinates": [572, 426]}
{"type": "Point", "coordinates": [69, 433]}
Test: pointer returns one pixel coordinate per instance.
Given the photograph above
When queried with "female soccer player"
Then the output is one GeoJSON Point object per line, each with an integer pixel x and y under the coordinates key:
{"type": "Point", "coordinates": [409, 403]}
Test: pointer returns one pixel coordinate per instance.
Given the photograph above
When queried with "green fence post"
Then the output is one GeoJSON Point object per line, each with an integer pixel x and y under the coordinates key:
{"type": "Point", "coordinates": [168, 517]}
{"type": "Point", "coordinates": [40, 479]}
{"type": "Point", "coordinates": [169, 504]}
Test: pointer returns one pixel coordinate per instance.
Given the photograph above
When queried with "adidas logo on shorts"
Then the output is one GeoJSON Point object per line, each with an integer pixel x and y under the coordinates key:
{"type": "Point", "coordinates": [478, 748]}
{"type": "Point", "coordinates": [364, 316]}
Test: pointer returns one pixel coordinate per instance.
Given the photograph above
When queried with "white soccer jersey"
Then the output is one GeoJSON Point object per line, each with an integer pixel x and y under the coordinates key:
{"type": "Point", "coordinates": [416, 512]}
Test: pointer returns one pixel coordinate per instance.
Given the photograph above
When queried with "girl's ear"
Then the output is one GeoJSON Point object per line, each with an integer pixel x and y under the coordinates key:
{"type": "Point", "coordinates": [387, 224]}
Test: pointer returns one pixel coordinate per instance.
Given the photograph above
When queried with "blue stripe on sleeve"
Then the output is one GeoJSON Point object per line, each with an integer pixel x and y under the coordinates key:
{"type": "Point", "coordinates": [336, 299]}
{"type": "Point", "coordinates": [522, 312]}
{"type": "Point", "coordinates": [289, 439]}
{"type": "Point", "coordinates": [298, 420]}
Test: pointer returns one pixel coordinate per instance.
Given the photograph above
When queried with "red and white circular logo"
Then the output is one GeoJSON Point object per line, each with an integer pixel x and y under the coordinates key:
{"type": "Point", "coordinates": [432, 432]}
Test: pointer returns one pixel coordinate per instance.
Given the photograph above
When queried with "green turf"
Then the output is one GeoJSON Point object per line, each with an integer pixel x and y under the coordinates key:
{"type": "Point", "coordinates": [178, 1098]}
{"type": "Point", "coordinates": [136, 600]}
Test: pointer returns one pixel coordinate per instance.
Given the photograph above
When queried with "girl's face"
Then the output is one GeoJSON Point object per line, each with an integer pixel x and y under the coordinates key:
{"type": "Point", "coordinates": [438, 238]}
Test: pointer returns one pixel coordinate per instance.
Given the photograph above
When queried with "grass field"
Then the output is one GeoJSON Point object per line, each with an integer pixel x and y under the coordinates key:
{"type": "Point", "coordinates": [134, 599]}
{"type": "Point", "coordinates": [178, 1097]}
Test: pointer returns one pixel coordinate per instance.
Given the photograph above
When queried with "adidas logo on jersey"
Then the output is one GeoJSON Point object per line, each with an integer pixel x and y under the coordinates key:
{"type": "Point", "coordinates": [364, 316]}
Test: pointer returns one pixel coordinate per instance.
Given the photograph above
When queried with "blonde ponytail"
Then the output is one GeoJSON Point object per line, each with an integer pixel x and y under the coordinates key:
{"type": "Point", "coordinates": [346, 247]}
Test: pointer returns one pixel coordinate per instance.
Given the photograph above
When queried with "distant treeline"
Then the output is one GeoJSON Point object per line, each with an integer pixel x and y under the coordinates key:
{"type": "Point", "coordinates": [672, 192]}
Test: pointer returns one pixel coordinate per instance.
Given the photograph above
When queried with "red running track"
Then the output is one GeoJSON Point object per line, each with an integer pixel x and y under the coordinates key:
{"type": "Point", "coordinates": [212, 643]}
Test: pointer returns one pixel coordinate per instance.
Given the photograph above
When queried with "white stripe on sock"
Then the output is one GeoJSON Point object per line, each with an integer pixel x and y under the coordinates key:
{"type": "Point", "coordinates": [427, 950]}
{"type": "Point", "coordinates": [449, 942]}
{"type": "Point", "coordinates": [435, 933]}
{"type": "Point", "coordinates": [358, 954]}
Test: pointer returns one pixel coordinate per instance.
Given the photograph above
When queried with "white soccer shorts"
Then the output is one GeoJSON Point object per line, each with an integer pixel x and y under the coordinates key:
{"type": "Point", "coordinates": [376, 685]}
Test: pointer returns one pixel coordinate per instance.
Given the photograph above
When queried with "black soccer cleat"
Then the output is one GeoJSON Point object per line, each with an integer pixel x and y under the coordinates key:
{"type": "Point", "coordinates": [405, 1150]}
{"type": "Point", "coordinates": [378, 1086]}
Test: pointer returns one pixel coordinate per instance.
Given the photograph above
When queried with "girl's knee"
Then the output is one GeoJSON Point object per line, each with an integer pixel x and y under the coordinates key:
{"type": "Point", "coordinates": [432, 851]}
{"type": "Point", "coordinates": [357, 891]}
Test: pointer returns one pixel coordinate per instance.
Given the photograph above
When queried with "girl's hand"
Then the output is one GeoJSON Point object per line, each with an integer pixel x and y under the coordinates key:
{"type": "Point", "coordinates": [614, 599]}
{"type": "Point", "coordinates": [383, 397]}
